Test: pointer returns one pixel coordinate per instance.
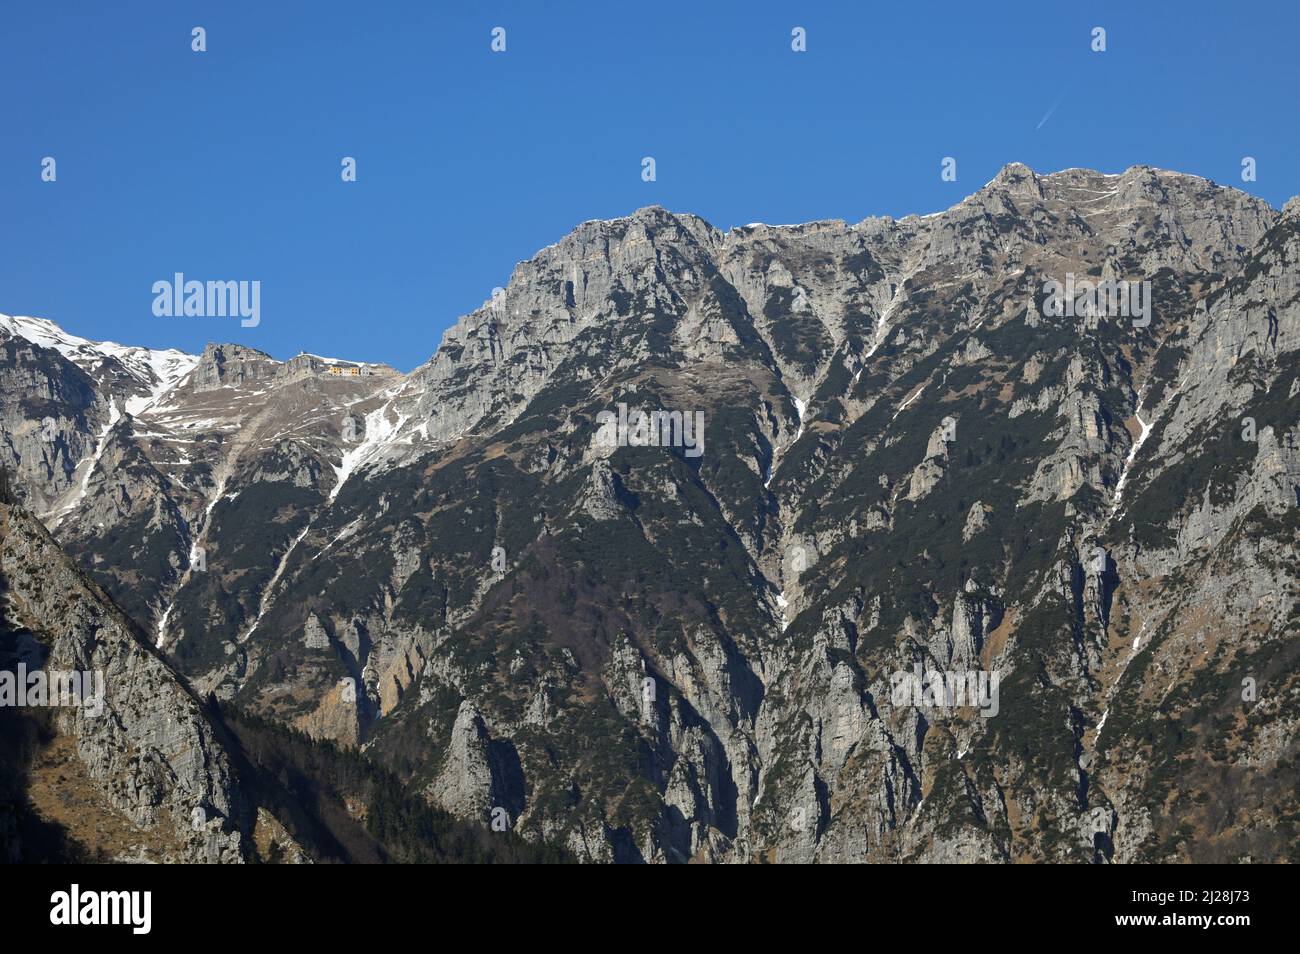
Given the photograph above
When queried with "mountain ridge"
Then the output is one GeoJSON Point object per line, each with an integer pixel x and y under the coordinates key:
{"type": "Point", "coordinates": [1007, 172]}
{"type": "Point", "coordinates": [910, 459]}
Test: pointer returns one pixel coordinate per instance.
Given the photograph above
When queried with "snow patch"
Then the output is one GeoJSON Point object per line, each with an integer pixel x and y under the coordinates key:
{"type": "Point", "coordinates": [903, 407]}
{"type": "Point", "coordinates": [275, 578]}
{"type": "Point", "coordinates": [1132, 453]}
{"type": "Point", "coordinates": [114, 415]}
{"type": "Point", "coordinates": [800, 409]}
{"type": "Point", "coordinates": [882, 323]}
{"type": "Point", "coordinates": [156, 371]}
{"type": "Point", "coordinates": [161, 636]}
{"type": "Point", "coordinates": [380, 433]}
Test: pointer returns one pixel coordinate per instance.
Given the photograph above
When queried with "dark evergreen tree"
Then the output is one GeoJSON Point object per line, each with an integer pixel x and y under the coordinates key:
{"type": "Point", "coordinates": [6, 490]}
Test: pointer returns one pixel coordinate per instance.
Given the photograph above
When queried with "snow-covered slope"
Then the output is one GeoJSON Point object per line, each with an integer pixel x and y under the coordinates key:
{"type": "Point", "coordinates": [154, 371]}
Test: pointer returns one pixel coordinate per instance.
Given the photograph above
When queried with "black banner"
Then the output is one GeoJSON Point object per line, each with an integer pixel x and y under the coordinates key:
{"type": "Point", "coordinates": [140, 904]}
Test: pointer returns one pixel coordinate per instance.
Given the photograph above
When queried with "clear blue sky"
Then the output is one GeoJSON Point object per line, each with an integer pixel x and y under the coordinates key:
{"type": "Point", "coordinates": [225, 164]}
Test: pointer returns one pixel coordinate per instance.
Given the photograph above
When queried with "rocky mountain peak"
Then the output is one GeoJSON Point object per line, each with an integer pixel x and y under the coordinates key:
{"type": "Point", "coordinates": [230, 365]}
{"type": "Point", "coordinates": [652, 647]}
{"type": "Point", "coordinates": [1018, 179]}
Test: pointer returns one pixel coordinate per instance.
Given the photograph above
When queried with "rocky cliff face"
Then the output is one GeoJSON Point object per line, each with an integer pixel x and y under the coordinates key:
{"type": "Point", "coordinates": [141, 735]}
{"type": "Point", "coordinates": [969, 561]}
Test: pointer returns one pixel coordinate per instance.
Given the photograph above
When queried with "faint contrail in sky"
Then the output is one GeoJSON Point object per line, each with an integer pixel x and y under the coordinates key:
{"type": "Point", "coordinates": [1048, 115]}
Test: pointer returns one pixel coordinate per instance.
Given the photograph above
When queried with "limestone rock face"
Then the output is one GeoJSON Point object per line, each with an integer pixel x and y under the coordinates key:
{"type": "Point", "coordinates": [476, 779]}
{"type": "Point", "coordinates": [314, 635]}
{"type": "Point", "coordinates": [43, 450]}
{"type": "Point", "coordinates": [230, 366]}
{"type": "Point", "coordinates": [336, 715]}
{"type": "Point", "coordinates": [600, 499]}
{"type": "Point", "coordinates": [151, 747]}
{"type": "Point", "coordinates": [911, 463]}
{"type": "Point", "coordinates": [976, 521]}
{"type": "Point", "coordinates": [931, 469]}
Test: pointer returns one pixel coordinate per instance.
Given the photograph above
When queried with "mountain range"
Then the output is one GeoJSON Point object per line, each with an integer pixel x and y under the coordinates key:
{"type": "Point", "coordinates": [920, 463]}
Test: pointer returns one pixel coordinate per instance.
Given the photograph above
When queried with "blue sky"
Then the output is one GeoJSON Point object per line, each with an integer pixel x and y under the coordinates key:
{"type": "Point", "coordinates": [225, 164]}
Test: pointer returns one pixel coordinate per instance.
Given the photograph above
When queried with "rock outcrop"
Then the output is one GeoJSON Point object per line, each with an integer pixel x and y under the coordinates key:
{"type": "Point", "coordinates": [147, 741]}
